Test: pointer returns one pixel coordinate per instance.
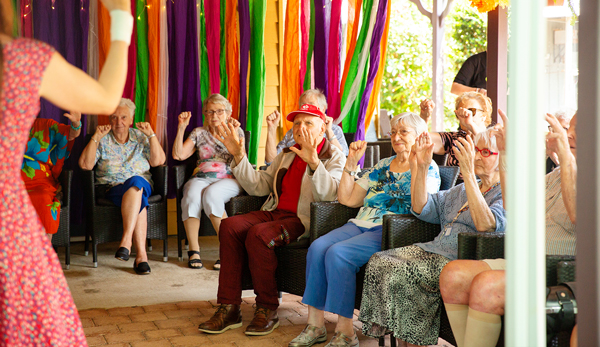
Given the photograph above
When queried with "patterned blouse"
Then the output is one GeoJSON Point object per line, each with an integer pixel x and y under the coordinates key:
{"type": "Point", "coordinates": [389, 192]}
{"type": "Point", "coordinates": [443, 208]}
{"type": "Point", "coordinates": [116, 162]}
{"type": "Point", "coordinates": [560, 232]}
{"type": "Point", "coordinates": [448, 139]}
{"type": "Point", "coordinates": [213, 157]}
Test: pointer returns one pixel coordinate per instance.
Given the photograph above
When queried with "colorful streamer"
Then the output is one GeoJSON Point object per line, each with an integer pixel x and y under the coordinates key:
{"type": "Point", "coordinates": [26, 18]}
{"type": "Point", "coordinates": [204, 76]}
{"type": "Point", "coordinates": [233, 58]}
{"type": "Point", "coordinates": [256, 96]}
{"type": "Point", "coordinates": [153, 62]}
{"type": "Point", "coordinates": [333, 95]}
{"type": "Point", "coordinates": [290, 81]}
{"type": "Point", "coordinates": [212, 19]}
{"type": "Point", "coordinates": [143, 62]}
{"type": "Point", "coordinates": [223, 53]}
{"type": "Point", "coordinates": [129, 91]}
{"type": "Point", "coordinates": [320, 46]}
{"type": "Point", "coordinates": [244, 12]}
{"type": "Point", "coordinates": [305, 37]}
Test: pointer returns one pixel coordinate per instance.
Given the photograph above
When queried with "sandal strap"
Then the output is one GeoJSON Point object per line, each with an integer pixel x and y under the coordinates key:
{"type": "Point", "coordinates": [195, 261]}
{"type": "Point", "coordinates": [190, 253]}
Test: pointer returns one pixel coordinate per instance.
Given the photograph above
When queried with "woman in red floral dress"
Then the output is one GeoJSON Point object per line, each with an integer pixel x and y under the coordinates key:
{"type": "Point", "coordinates": [36, 307]}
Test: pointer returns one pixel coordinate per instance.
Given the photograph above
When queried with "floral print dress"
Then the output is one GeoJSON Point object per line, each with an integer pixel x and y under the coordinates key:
{"type": "Point", "coordinates": [213, 156]}
{"type": "Point", "coordinates": [36, 307]}
{"type": "Point", "coordinates": [47, 149]}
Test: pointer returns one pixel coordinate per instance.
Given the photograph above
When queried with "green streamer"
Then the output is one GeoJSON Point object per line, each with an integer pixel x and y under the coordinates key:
{"type": "Point", "coordinates": [256, 96]}
{"type": "Point", "coordinates": [223, 59]}
{"type": "Point", "coordinates": [204, 81]}
{"type": "Point", "coordinates": [349, 123]}
{"type": "Point", "coordinates": [143, 61]}
{"type": "Point", "coordinates": [16, 17]}
{"type": "Point", "coordinates": [311, 44]}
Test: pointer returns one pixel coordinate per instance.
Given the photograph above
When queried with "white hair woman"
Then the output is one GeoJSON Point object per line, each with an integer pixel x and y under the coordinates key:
{"type": "Point", "coordinates": [334, 259]}
{"type": "Point", "coordinates": [401, 289]}
{"type": "Point", "coordinates": [212, 184]}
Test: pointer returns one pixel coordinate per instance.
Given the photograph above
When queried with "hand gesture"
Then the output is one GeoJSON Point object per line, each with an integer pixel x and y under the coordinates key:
{"type": "Point", "coordinates": [557, 140]}
{"type": "Point", "coordinates": [499, 132]}
{"type": "Point", "coordinates": [464, 151]}
{"type": "Point", "coordinates": [74, 117]}
{"type": "Point", "coordinates": [234, 122]}
{"type": "Point", "coordinates": [124, 5]}
{"type": "Point", "coordinates": [356, 151]}
{"type": "Point", "coordinates": [423, 150]}
{"type": "Point", "coordinates": [329, 123]}
{"type": "Point", "coordinates": [101, 131]}
{"type": "Point", "coordinates": [273, 119]}
{"type": "Point", "coordinates": [426, 106]}
{"type": "Point", "coordinates": [145, 128]}
{"type": "Point", "coordinates": [227, 134]}
{"type": "Point", "coordinates": [467, 118]}
{"type": "Point", "coordinates": [184, 119]}
{"type": "Point", "coordinates": [308, 151]}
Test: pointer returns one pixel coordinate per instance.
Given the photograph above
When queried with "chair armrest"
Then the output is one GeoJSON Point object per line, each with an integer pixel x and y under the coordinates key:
{"type": "Point", "coordinates": [552, 266]}
{"type": "Point", "coordinates": [87, 179]}
{"type": "Point", "coordinates": [480, 246]}
{"type": "Point", "coordinates": [244, 203]}
{"type": "Point", "coordinates": [328, 215]}
{"type": "Point", "coordinates": [159, 176]}
{"type": "Point", "coordinates": [65, 179]}
{"type": "Point", "coordinates": [179, 176]}
{"type": "Point", "coordinates": [565, 271]}
{"type": "Point", "coordinates": [400, 230]}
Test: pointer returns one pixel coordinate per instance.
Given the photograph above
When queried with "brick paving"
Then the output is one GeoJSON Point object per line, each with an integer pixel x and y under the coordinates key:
{"type": "Point", "coordinates": [169, 325]}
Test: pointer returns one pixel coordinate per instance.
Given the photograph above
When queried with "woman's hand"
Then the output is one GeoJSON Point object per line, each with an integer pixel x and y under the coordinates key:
{"type": "Point", "coordinates": [101, 131]}
{"type": "Point", "coordinates": [557, 140]}
{"type": "Point", "coordinates": [124, 5]}
{"type": "Point", "coordinates": [273, 120]}
{"type": "Point", "coordinates": [184, 120]}
{"type": "Point", "coordinates": [464, 151]}
{"type": "Point", "coordinates": [356, 151]}
{"type": "Point", "coordinates": [234, 122]}
{"type": "Point", "coordinates": [227, 134]}
{"type": "Point", "coordinates": [74, 117]}
{"type": "Point", "coordinates": [426, 106]}
{"type": "Point", "coordinates": [308, 151]}
{"type": "Point", "coordinates": [467, 119]}
{"type": "Point", "coordinates": [423, 151]}
{"type": "Point", "coordinates": [499, 132]}
{"type": "Point", "coordinates": [145, 128]}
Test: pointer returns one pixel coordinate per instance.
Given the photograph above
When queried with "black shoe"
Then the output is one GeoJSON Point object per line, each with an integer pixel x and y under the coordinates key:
{"type": "Point", "coordinates": [194, 261]}
{"type": "Point", "coordinates": [142, 268]}
{"type": "Point", "coordinates": [122, 254]}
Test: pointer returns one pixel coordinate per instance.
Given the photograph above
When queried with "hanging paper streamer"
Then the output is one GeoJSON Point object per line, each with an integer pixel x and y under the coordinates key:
{"type": "Point", "coordinates": [26, 18]}
{"type": "Point", "coordinates": [223, 54]}
{"type": "Point", "coordinates": [204, 76]}
{"type": "Point", "coordinates": [305, 37]}
{"type": "Point", "coordinates": [244, 12]}
{"type": "Point", "coordinates": [163, 77]}
{"type": "Point", "coordinates": [308, 80]}
{"type": "Point", "coordinates": [320, 45]}
{"type": "Point", "coordinates": [333, 95]}
{"type": "Point", "coordinates": [290, 81]}
{"type": "Point", "coordinates": [233, 58]}
{"type": "Point", "coordinates": [212, 19]}
{"type": "Point", "coordinates": [129, 91]}
{"type": "Point", "coordinates": [143, 57]}
{"type": "Point", "coordinates": [256, 96]}
{"type": "Point", "coordinates": [153, 62]}
{"type": "Point", "coordinates": [349, 57]}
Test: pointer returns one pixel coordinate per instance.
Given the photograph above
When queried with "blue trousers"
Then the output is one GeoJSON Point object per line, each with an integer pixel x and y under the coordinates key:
{"type": "Point", "coordinates": [332, 262]}
{"type": "Point", "coordinates": [115, 194]}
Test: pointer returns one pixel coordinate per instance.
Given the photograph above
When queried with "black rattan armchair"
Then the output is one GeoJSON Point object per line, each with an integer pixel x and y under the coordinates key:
{"type": "Point", "coordinates": [103, 218]}
{"type": "Point", "coordinates": [62, 238]}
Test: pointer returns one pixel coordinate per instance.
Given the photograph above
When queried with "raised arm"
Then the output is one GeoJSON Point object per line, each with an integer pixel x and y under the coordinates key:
{"type": "Point", "coordinates": [271, 145]}
{"type": "Point", "coordinates": [420, 161]}
{"type": "Point", "coordinates": [157, 154]}
{"type": "Point", "coordinates": [351, 193]}
{"type": "Point", "coordinates": [75, 118]}
{"type": "Point", "coordinates": [183, 150]}
{"type": "Point", "coordinates": [87, 160]}
{"type": "Point", "coordinates": [70, 88]}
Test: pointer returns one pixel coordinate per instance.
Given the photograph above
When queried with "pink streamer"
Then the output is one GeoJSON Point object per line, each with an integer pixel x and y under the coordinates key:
{"type": "Point", "coordinates": [304, 25]}
{"type": "Point", "coordinates": [333, 63]}
{"type": "Point", "coordinates": [212, 16]}
{"type": "Point", "coordinates": [129, 91]}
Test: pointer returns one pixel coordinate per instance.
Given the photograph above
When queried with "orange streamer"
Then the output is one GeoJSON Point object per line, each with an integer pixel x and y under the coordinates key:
{"type": "Point", "coordinates": [377, 83]}
{"type": "Point", "coordinates": [103, 45]}
{"type": "Point", "coordinates": [291, 62]}
{"type": "Point", "coordinates": [233, 57]}
{"type": "Point", "coordinates": [153, 9]}
{"type": "Point", "coordinates": [351, 21]}
{"type": "Point", "coordinates": [350, 53]}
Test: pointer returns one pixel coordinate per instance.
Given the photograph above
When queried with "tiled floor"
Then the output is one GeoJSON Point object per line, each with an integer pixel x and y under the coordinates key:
{"type": "Point", "coordinates": [169, 325]}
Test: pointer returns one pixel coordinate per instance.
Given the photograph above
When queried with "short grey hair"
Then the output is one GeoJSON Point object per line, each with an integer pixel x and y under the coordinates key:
{"type": "Point", "coordinates": [411, 120]}
{"type": "Point", "coordinates": [487, 138]}
{"type": "Point", "coordinates": [218, 99]}
{"type": "Point", "coordinates": [316, 93]}
{"type": "Point", "coordinates": [129, 104]}
{"type": "Point", "coordinates": [565, 114]}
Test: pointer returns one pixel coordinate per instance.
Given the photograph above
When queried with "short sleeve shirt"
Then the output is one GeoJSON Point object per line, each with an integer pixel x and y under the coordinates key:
{"type": "Point", "coordinates": [116, 163]}
{"type": "Point", "coordinates": [213, 156]}
{"type": "Point", "coordinates": [389, 192]}
{"type": "Point", "coordinates": [448, 140]}
{"type": "Point", "coordinates": [473, 72]}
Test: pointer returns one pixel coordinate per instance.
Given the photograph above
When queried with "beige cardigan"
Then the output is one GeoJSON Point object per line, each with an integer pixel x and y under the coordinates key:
{"type": "Point", "coordinates": [322, 185]}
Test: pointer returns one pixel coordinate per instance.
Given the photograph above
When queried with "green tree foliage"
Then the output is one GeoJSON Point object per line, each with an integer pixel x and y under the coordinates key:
{"type": "Point", "coordinates": [407, 78]}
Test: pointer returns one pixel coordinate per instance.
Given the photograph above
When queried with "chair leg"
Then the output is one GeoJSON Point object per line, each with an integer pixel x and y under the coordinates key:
{"type": "Point", "coordinates": [165, 250]}
{"type": "Point", "coordinates": [87, 246]}
{"type": "Point", "coordinates": [68, 256]}
{"type": "Point", "coordinates": [95, 254]}
{"type": "Point", "coordinates": [149, 245]}
{"type": "Point", "coordinates": [392, 340]}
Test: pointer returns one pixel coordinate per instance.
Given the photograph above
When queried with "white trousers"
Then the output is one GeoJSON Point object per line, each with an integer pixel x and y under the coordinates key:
{"type": "Point", "coordinates": [210, 194]}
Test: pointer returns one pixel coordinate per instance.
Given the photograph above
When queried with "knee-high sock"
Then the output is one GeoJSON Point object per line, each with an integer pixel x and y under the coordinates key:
{"type": "Point", "coordinates": [457, 315]}
{"type": "Point", "coordinates": [483, 329]}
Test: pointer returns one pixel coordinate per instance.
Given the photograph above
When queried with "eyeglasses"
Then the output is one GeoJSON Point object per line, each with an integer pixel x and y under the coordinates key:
{"type": "Point", "coordinates": [485, 152]}
{"type": "Point", "coordinates": [219, 112]}
{"type": "Point", "coordinates": [474, 110]}
{"type": "Point", "coordinates": [550, 128]}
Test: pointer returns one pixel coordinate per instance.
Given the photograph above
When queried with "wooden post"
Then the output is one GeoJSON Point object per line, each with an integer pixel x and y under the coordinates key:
{"type": "Point", "coordinates": [497, 59]}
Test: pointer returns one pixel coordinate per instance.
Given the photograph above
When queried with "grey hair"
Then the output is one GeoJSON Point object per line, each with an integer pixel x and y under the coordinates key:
{"type": "Point", "coordinates": [488, 139]}
{"type": "Point", "coordinates": [565, 114]}
{"type": "Point", "coordinates": [218, 99]}
{"type": "Point", "coordinates": [411, 120]}
{"type": "Point", "coordinates": [129, 104]}
{"type": "Point", "coordinates": [316, 93]}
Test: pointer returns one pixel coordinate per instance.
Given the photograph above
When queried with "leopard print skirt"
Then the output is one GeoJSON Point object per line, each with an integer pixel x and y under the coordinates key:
{"type": "Point", "coordinates": [402, 294]}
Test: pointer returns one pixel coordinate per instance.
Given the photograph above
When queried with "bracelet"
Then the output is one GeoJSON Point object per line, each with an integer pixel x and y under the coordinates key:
{"type": "Point", "coordinates": [151, 136]}
{"type": "Point", "coordinates": [76, 128]}
{"type": "Point", "coordinates": [121, 26]}
{"type": "Point", "coordinates": [93, 139]}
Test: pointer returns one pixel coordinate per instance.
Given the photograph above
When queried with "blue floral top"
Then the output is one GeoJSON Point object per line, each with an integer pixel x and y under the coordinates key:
{"type": "Point", "coordinates": [116, 162]}
{"type": "Point", "coordinates": [389, 192]}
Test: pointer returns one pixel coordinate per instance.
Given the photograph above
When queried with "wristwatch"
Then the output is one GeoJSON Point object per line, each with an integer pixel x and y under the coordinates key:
{"type": "Point", "coordinates": [351, 173]}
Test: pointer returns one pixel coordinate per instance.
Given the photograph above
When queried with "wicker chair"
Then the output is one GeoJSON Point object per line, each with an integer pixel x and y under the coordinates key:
{"type": "Point", "coordinates": [103, 218]}
{"type": "Point", "coordinates": [181, 174]}
{"type": "Point", "coordinates": [62, 238]}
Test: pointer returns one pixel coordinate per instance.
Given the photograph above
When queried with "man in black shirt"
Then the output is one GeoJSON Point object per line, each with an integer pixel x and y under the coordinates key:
{"type": "Point", "coordinates": [472, 75]}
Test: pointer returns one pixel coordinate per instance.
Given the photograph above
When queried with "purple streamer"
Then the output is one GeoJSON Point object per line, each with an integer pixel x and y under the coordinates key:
{"type": "Point", "coordinates": [244, 12]}
{"type": "Point", "coordinates": [320, 48]}
{"type": "Point", "coordinates": [66, 29]}
{"type": "Point", "coordinates": [373, 67]}
{"type": "Point", "coordinates": [184, 77]}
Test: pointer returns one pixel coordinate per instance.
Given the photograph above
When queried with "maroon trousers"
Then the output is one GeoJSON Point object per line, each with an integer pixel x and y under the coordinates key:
{"type": "Point", "coordinates": [254, 235]}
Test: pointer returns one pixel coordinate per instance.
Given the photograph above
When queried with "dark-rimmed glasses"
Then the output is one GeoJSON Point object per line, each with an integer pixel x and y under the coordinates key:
{"type": "Point", "coordinates": [485, 152]}
{"type": "Point", "coordinates": [219, 112]}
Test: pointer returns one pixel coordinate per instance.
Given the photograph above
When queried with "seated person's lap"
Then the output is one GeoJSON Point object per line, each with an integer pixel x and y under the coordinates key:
{"type": "Point", "coordinates": [115, 194]}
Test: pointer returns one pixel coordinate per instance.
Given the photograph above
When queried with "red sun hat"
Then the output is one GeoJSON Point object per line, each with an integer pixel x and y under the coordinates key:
{"type": "Point", "coordinates": [306, 109]}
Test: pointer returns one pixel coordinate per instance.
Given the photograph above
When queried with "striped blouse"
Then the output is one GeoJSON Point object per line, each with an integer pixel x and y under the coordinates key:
{"type": "Point", "coordinates": [560, 232]}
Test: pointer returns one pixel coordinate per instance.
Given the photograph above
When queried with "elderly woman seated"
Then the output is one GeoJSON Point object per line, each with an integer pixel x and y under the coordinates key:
{"type": "Point", "coordinates": [212, 183]}
{"type": "Point", "coordinates": [401, 289]}
{"type": "Point", "coordinates": [473, 290]}
{"type": "Point", "coordinates": [334, 259]}
{"type": "Point", "coordinates": [123, 157]}
{"type": "Point", "coordinates": [48, 147]}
